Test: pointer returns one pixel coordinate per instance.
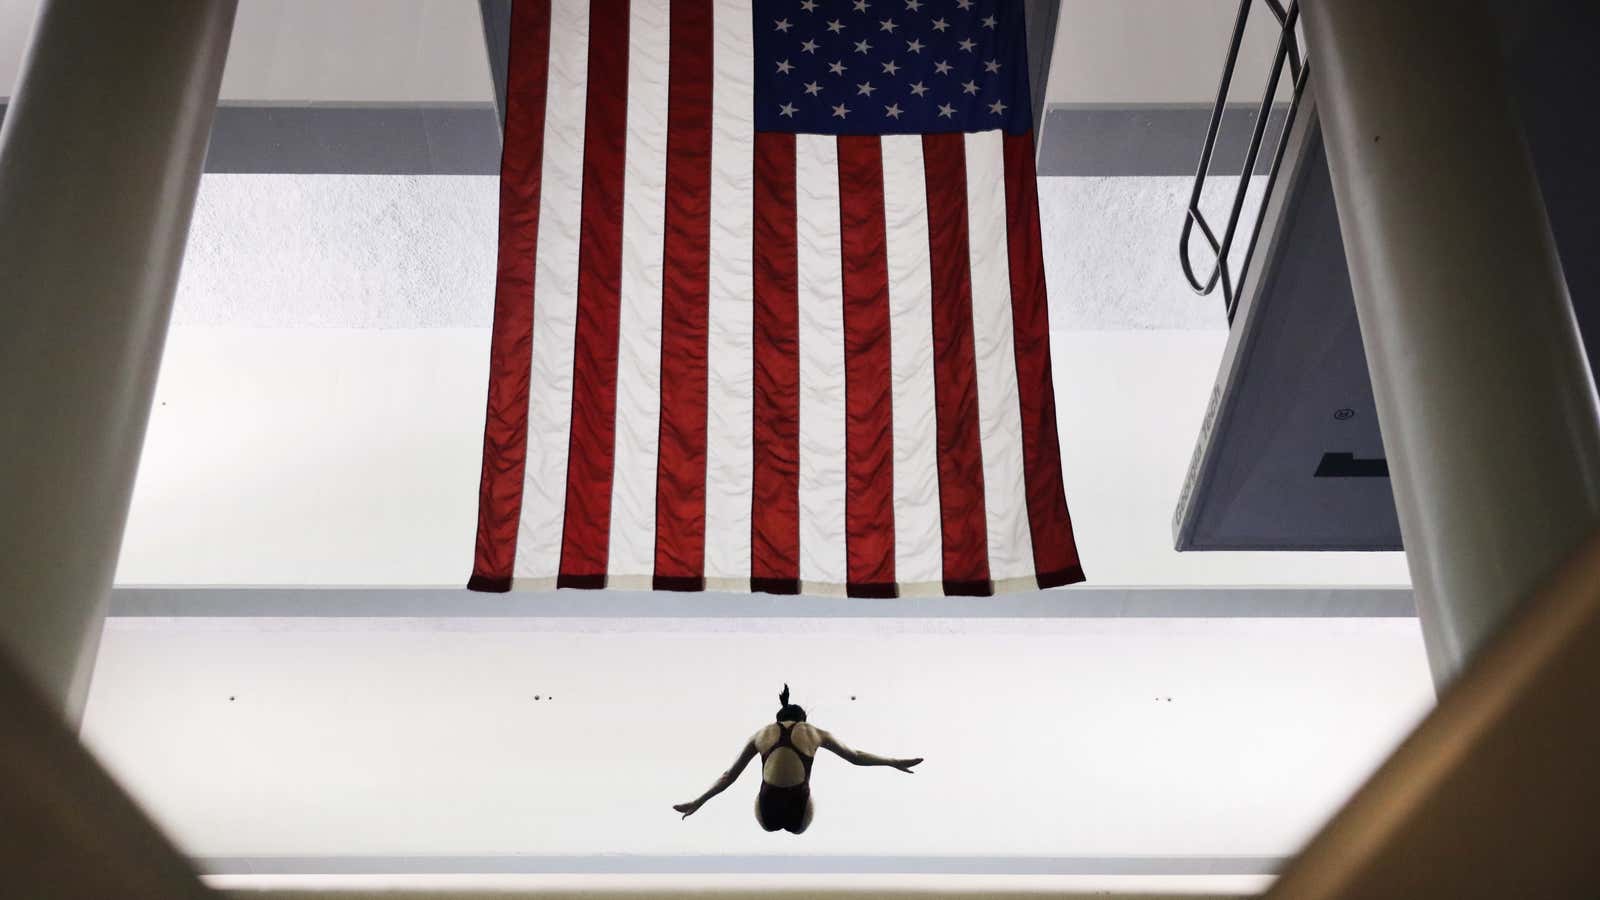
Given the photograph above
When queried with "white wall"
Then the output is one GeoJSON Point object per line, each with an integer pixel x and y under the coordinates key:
{"type": "Point", "coordinates": [310, 456]}
{"type": "Point", "coordinates": [347, 456]}
{"type": "Point", "coordinates": [1046, 738]}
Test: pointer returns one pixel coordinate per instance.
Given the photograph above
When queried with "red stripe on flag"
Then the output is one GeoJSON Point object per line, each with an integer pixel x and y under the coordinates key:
{"type": "Point", "coordinates": [505, 432]}
{"type": "Point", "coordinates": [1055, 553]}
{"type": "Point", "coordinates": [586, 532]}
{"type": "Point", "coordinates": [681, 461]}
{"type": "Point", "coordinates": [869, 424]}
{"type": "Point", "coordinates": [775, 510]}
{"type": "Point", "coordinates": [955, 370]}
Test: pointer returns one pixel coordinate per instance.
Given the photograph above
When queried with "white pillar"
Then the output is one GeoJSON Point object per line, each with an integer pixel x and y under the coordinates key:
{"type": "Point", "coordinates": [100, 159]}
{"type": "Point", "coordinates": [1483, 390]}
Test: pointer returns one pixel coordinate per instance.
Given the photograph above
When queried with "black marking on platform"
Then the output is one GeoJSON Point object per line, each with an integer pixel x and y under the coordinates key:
{"type": "Point", "coordinates": [1346, 465]}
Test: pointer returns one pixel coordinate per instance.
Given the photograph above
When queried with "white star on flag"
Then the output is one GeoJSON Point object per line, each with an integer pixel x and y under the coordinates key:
{"type": "Point", "coordinates": [942, 67]}
{"type": "Point", "coordinates": [887, 25]}
{"type": "Point", "coordinates": [782, 25]}
{"type": "Point", "coordinates": [967, 45]}
{"type": "Point", "coordinates": [784, 67]}
{"type": "Point", "coordinates": [861, 6]}
{"type": "Point", "coordinates": [786, 110]}
{"type": "Point", "coordinates": [840, 111]}
{"type": "Point", "coordinates": [988, 21]}
{"type": "Point", "coordinates": [914, 46]}
{"type": "Point", "coordinates": [865, 88]}
{"type": "Point", "coordinates": [919, 89]}
{"type": "Point", "coordinates": [808, 5]}
{"type": "Point", "coordinates": [970, 87]}
{"type": "Point", "coordinates": [997, 107]}
{"type": "Point", "coordinates": [913, 5]}
{"type": "Point", "coordinates": [836, 68]}
{"type": "Point", "coordinates": [813, 88]}
{"type": "Point", "coordinates": [862, 46]}
{"type": "Point", "coordinates": [940, 24]}
{"type": "Point", "coordinates": [835, 26]}
{"type": "Point", "coordinates": [889, 68]}
{"type": "Point", "coordinates": [892, 110]}
{"type": "Point", "coordinates": [964, 4]}
{"type": "Point", "coordinates": [809, 46]}
{"type": "Point", "coordinates": [947, 111]}
{"type": "Point", "coordinates": [991, 66]}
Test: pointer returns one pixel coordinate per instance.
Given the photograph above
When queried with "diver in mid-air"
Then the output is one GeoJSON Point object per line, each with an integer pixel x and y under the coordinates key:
{"type": "Point", "coordinates": [787, 748]}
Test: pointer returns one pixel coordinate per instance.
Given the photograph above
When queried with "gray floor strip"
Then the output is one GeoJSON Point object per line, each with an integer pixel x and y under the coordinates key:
{"type": "Point", "coordinates": [622, 864]}
{"type": "Point", "coordinates": [355, 140]}
{"type": "Point", "coordinates": [1082, 602]}
{"type": "Point", "coordinates": [1104, 141]}
{"type": "Point", "coordinates": [465, 140]}
{"type": "Point", "coordinates": [336, 139]}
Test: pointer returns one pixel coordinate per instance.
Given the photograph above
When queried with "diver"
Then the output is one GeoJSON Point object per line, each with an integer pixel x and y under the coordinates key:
{"type": "Point", "coordinates": [787, 748]}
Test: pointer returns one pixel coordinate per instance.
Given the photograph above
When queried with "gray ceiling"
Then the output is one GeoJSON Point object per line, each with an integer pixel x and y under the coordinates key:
{"type": "Point", "coordinates": [329, 51]}
{"type": "Point", "coordinates": [400, 86]}
{"type": "Point", "coordinates": [1119, 52]}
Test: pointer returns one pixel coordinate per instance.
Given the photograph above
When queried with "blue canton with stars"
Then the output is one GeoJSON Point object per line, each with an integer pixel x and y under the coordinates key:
{"type": "Point", "coordinates": [891, 66]}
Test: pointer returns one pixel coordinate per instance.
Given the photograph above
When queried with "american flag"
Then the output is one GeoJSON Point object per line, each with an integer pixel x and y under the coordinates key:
{"type": "Point", "coordinates": [770, 311]}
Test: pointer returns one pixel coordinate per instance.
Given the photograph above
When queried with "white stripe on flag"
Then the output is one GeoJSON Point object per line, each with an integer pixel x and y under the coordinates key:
{"type": "Point", "coordinates": [999, 412]}
{"type": "Point", "coordinates": [555, 300]}
{"type": "Point", "coordinates": [822, 401]}
{"type": "Point", "coordinates": [730, 357]}
{"type": "Point", "coordinates": [638, 420]}
{"type": "Point", "coordinates": [919, 551]}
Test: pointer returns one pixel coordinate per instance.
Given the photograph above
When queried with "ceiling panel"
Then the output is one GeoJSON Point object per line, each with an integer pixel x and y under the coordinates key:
{"type": "Point", "coordinates": [313, 51]}
{"type": "Point", "coordinates": [358, 51]}
{"type": "Point", "coordinates": [1161, 52]}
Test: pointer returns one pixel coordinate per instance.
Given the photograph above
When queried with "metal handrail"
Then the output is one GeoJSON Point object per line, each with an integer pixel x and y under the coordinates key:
{"type": "Point", "coordinates": [1288, 52]}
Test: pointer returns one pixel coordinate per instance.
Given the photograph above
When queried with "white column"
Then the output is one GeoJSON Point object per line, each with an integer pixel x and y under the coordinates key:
{"type": "Point", "coordinates": [1483, 389]}
{"type": "Point", "coordinates": [100, 159]}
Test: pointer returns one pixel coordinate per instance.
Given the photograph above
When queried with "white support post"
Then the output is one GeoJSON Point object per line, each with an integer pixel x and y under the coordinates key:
{"type": "Point", "coordinates": [100, 160]}
{"type": "Point", "coordinates": [1487, 403]}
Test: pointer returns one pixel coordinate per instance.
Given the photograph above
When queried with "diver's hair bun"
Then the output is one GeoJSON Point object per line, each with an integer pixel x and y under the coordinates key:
{"type": "Point", "coordinates": [783, 698]}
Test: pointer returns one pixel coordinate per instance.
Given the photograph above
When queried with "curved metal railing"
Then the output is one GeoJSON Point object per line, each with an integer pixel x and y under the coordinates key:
{"type": "Point", "coordinates": [1289, 54]}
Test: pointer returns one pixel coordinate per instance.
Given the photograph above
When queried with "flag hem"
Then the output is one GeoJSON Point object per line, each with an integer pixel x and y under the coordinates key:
{"type": "Point", "coordinates": [872, 590]}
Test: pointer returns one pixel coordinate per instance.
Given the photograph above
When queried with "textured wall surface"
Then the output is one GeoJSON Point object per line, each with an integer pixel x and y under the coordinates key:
{"type": "Point", "coordinates": [382, 251]}
{"type": "Point", "coordinates": [1111, 251]}
{"type": "Point", "coordinates": [350, 251]}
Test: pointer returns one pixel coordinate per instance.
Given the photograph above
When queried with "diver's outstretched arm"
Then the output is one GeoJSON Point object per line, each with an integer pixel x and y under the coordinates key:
{"type": "Point", "coordinates": [858, 758]}
{"type": "Point", "coordinates": [723, 783]}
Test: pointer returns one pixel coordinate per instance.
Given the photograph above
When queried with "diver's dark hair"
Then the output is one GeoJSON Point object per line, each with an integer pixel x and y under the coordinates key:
{"type": "Point", "coordinates": [790, 712]}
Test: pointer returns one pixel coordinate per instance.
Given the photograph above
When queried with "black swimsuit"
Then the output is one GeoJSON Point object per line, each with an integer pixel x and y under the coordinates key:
{"type": "Point", "coordinates": [785, 807]}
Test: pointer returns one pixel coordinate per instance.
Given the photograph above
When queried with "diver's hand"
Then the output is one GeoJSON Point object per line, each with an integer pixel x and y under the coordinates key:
{"type": "Point", "coordinates": [688, 809]}
{"type": "Point", "coordinates": [905, 765]}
